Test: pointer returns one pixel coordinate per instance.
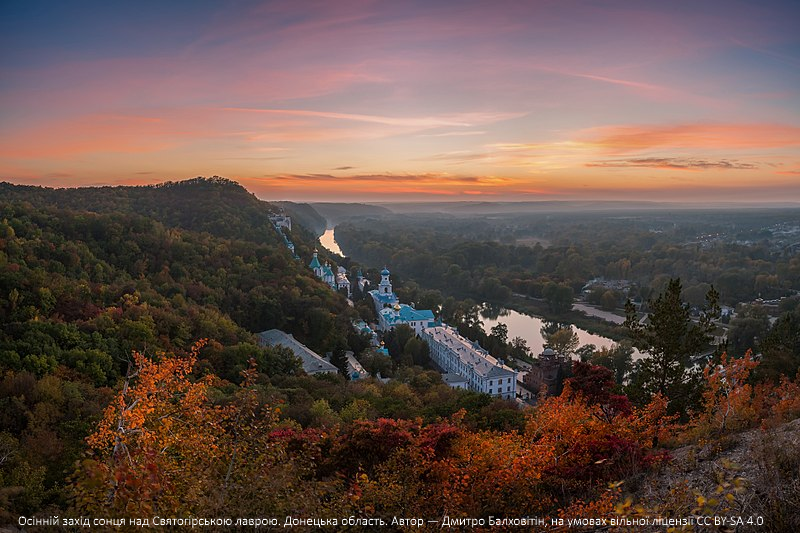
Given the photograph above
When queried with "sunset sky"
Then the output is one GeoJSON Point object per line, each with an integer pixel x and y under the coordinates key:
{"type": "Point", "coordinates": [361, 100]}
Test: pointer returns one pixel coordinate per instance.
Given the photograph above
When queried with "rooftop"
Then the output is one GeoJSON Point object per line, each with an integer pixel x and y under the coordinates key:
{"type": "Point", "coordinates": [312, 363]}
{"type": "Point", "coordinates": [406, 313]}
{"type": "Point", "coordinates": [383, 298]}
{"type": "Point", "coordinates": [452, 379]}
{"type": "Point", "coordinates": [470, 353]}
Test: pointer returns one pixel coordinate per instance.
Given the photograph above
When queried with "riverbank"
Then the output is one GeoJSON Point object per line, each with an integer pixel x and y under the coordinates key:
{"type": "Point", "coordinates": [577, 318]}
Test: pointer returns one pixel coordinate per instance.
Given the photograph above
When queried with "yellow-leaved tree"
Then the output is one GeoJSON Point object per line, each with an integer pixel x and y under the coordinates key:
{"type": "Point", "coordinates": [164, 447]}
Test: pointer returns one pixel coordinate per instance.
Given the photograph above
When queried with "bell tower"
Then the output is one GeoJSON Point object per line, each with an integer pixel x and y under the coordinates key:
{"type": "Point", "coordinates": [385, 286]}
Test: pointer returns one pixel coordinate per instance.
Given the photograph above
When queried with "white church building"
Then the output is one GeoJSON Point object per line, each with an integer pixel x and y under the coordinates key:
{"type": "Point", "coordinates": [391, 313]}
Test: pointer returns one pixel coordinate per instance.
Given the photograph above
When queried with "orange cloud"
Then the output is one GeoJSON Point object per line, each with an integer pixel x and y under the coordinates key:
{"type": "Point", "coordinates": [673, 163]}
{"type": "Point", "coordinates": [93, 134]}
{"type": "Point", "coordinates": [379, 185]}
{"type": "Point", "coordinates": [621, 139]}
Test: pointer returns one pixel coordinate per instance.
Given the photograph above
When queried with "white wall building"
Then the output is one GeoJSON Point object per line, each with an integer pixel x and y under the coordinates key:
{"type": "Point", "coordinates": [457, 355]}
{"type": "Point", "coordinates": [391, 313]}
{"type": "Point", "coordinates": [281, 221]}
{"type": "Point", "coordinates": [342, 281]}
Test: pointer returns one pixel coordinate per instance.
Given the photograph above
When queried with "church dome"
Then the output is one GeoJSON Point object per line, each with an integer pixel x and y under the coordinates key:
{"type": "Point", "coordinates": [385, 271]}
{"type": "Point", "coordinates": [548, 352]}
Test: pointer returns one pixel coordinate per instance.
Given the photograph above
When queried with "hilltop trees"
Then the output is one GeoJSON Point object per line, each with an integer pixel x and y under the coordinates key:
{"type": "Point", "coordinates": [672, 339]}
{"type": "Point", "coordinates": [89, 275]}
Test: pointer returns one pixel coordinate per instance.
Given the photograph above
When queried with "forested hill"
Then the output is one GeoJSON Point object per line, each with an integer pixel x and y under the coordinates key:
{"type": "Point", "coordinates": [215, 205]}
{"type": "Point", "coordinates": [186, 260]}
{"type": "Point", "coordinates": [90, 275]}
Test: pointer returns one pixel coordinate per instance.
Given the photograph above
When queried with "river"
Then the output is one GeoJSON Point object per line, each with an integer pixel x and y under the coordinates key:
{"type": "Point", "coordinates": [329, 242]}
{"type": "Point", "coordinates": [529, 328]}
{"type": "Point", "coordinates": [519, 325]}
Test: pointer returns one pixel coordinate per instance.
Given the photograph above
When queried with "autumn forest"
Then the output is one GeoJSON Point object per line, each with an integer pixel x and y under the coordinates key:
{"type": "Point", "coordinates": [133, 385]}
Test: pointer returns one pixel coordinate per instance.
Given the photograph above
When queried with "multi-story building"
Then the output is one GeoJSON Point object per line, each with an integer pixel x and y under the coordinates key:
{"type": "Point", "coordinates": [457, 355]}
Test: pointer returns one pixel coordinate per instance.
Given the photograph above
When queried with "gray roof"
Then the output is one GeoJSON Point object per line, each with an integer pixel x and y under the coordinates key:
{"type": "Point", "coordinates": [354, 366]}
{"type": "Point", "coordinates": [451, 378]}
{"type": "Point", "coordinates": [470, 353]}
{"type": "Point", "coordinates": [312, 363]}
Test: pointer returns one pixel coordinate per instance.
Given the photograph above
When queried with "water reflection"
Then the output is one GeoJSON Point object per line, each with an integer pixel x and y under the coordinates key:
{"type": "Point", "coordinates": [530, 328]}
{"type": "Point", "coordinates": [329, 242]}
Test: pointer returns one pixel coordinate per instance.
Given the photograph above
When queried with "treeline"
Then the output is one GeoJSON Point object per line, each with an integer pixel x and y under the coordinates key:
{"type": "Point", "coordinates": [482, 257]}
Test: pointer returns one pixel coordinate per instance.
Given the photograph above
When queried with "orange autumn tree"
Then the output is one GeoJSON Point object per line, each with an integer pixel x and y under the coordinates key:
{"type": "Point", "coordinates": [785, 400]}
{"type": "Point", "coordinates": [730, 402]}
{"type": "Point", "coordinates": [728, 397]}
{"type": "Point", "coordinates": [587, 446]}
{"type": "Point", "coordinates": [568, 454]}
{"type": "Point", "coordinates": [163, 446]}
{"type": "Point", "coordinates": [150, 439]}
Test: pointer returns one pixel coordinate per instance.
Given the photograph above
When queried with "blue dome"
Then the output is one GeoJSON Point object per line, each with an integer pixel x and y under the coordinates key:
{"type": "Point", "coordinates": [385, 272]}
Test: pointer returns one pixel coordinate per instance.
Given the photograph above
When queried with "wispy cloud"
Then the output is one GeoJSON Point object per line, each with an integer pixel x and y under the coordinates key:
{"type": "Point", "coordinates": [431, 178]}
{"type": "Point", "coordinates": [406, 185]}
{"type": "Point", "coordinates": [454, 134]}
{"type": "Point", "coordinates": [789, 60]}
{"type": "Point", "coordinates": [462, 119]}
{"type": "Point", "coordinates": [697, 135]}
{"type": "Point", "coordinates": [457, 157]}
{"type": "Point", "coordinates": [672, 163]}
{"type": "Point", "coordinates": [633, 84]}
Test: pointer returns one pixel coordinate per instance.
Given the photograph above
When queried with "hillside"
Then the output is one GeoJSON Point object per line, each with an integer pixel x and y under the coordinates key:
{"type": "Point", "coordinates": [748, 474]}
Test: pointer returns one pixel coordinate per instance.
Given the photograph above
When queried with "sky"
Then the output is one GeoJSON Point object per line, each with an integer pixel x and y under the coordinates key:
{"type": "Point", "coordinates": [360, 100]}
